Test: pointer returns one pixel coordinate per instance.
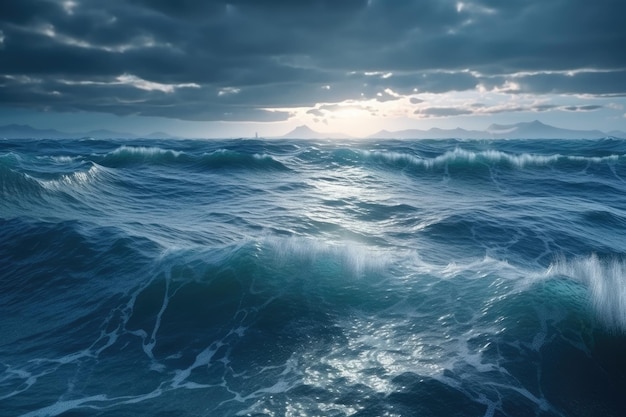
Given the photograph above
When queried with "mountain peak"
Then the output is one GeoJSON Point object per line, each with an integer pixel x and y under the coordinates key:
{"type": "Point", "coordinates": [524, 130]}
{"type": "Point", "coordinates": [303, 128]}
{"type": "Point", "coordinates": [536, 123]}
{"type": "Point", "coordinates": [302, 132]}
{"type": "Point", "coordinates": [305, 132]}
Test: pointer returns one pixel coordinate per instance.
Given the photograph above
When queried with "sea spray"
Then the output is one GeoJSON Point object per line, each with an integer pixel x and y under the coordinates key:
{"type": "Point", "coordinates": [606, 282]}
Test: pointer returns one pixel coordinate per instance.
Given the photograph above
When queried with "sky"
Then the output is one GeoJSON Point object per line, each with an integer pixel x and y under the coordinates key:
{"type": "Point", "coordinates": [212, 68]}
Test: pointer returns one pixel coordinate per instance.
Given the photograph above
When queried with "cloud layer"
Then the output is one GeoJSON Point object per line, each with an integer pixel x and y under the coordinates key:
{"type": "Point", "coordinates": [232, 60]}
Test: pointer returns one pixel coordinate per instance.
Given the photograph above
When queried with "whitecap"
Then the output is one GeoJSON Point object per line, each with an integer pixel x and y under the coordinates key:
{"type": "Point", "coordinates": [75, 179]}
{"type": "Point", "coordinates": [606, 281]}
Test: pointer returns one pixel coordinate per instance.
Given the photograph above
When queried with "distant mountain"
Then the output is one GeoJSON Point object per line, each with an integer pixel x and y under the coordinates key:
{"type": "Point", "coordinates": [617, 134]}
{"type": "Point", "coordinates": [15, 131]}
{"type": "Point", "coordinates": [525, 130]}
{"type": "Point", "coordinates": [160, 135]}
{"type": "Point", "coordinates": [104, 134]}
{"type": "Point", "coordinates": [538, 130]}
{"type": "Point", "coordinates": [434, 133]}
{"type": "Point", "coordinates": [305, 132]}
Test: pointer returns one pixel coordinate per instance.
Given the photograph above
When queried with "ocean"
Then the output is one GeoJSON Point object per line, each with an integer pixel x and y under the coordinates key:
{"type": "Point", "coordinates": [312, 278]}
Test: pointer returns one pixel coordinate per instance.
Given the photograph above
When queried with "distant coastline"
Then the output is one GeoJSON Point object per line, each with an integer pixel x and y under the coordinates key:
{"type": "Point", "coordinates": [524, 130]}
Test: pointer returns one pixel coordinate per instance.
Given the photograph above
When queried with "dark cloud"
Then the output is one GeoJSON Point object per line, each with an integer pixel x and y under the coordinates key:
{"type": "Point", "coordinates": [443, 111]}
{"type": "Point", "coordinates": [410, 82]}
{"type": "Point", "coordinates": [590, 82]}
{"type": "Point", "coordinates": [544, 107]}
{"type": "Point", "coordinates": [243, 56]}
{"type": "Point", "coordinates": [591, 107]}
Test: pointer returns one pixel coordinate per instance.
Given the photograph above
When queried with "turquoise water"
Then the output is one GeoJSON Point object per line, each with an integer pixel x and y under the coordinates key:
{"type": "Point", "coordinates": [312, 278]}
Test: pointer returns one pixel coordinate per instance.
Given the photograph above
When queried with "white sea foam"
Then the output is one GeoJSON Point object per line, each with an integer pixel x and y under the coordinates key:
{"type": "Point", "coordinates": [63, 159]}
{"type": "Point", "coordinates": [202, 359]}
{"type": "Point", "coordinates": [75, 179]}
{"type": "Point", "coordinates": [24, 378]}
{"type": "Point", "coordinates": [144, 151]}
{"type": "Point", "coordinates": [606, 280]}
{"type": "Point", "coordinates": [61, 407]}
{"type": "Point", "coordinates": [356, 258]}
{"type": "Point", "coordinates": [489, 156]}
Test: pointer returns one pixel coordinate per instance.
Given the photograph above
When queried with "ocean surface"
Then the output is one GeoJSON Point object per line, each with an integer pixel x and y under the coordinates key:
{"type": "Point", "coordinates": [312, 278]}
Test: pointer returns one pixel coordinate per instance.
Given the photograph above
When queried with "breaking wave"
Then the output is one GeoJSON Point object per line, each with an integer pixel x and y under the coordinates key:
{"type": "Point", "coordinates": [128, 156]}
{"type": "Point", "coordinates": [462, 157]}
{"type": "Point", "coordinates": [606, 283]}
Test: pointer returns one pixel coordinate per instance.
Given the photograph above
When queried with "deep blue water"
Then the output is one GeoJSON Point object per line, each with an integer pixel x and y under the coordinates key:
{"type": "Point", "coordinates": [312, 278]}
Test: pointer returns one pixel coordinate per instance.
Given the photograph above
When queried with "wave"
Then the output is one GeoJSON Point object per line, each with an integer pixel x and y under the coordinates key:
{"type": "Point", "coordinates": [164, 309]}
{"type": "Point", "coordinates": [10, 159]}
{"type": "Point", "coordinates": [60, 159]}
{"type": "Point", "coordinates": [241, 325]}
{"type": "Point", "coordinates": [75, 179]}
{"type": "Point", "coordinates": [462, 157]}
{"type": "Point", "coordinates": [134, 155]}
{"type": "Point", "coordinates": [605, 280]}
{"type": "Point", "coordinates": [40, 192]}
{"type": "Point", "coordinates": [352, 258]}
{"type": "Point", "coordinates": [14, 185]}
{"type": "Point", "coordinates": [144, 152]}
{"type": "Point", "coordinates": [293, 273]}
{"type": "Point", "coordinates": [127, 156]}
{"type": "Point", "coordinates": [225, 159]}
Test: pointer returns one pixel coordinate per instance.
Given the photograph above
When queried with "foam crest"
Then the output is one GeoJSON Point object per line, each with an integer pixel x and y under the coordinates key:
{"type": "Point", "coordinates": [470, 268]}
{"type": "Point", "coordinates": [10, 159]}
{"type": "Point", "coordinates": [459, 155]}
{"type": "Point", "coordinates": [606, 280]}
{"type": "Point", "coordinates": [395, 157]}
{"type": "Point", "coordinates": [491, 156]}
{"type": "Point", "coordinates": [75, 179]}
{"type": "Point", "coordinates": [14, 185]}
{"type": "Point", "coordinates": [59, 159]}
{"type": "Point", "coordinates": [355, 258]}
{"type": "Point", "coordinates": [132, 155]}
{"type": "Point", "coordinates": [128, 156]}
{"type": "Point", "coordinates": [225, 158]}
{"type": "Point", "coordinates": [144, 151]}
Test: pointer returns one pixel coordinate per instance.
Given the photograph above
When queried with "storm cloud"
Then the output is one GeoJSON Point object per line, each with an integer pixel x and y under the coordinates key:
{"type": "Point", "coordinates": [236, 60]}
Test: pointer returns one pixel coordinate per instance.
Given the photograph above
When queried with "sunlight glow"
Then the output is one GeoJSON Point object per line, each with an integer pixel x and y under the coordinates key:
{"type": "Point", "coordinates": [393, 110]}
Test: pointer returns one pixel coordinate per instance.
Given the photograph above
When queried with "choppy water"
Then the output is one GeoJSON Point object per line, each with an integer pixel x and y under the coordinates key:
{"type": "Point", "coordinates": [312, 278]}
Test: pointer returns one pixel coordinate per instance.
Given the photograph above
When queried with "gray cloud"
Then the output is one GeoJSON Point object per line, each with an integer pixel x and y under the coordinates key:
{"type": "Point", "coordinates": [591, 107]}
{"type": "Point", "coordinates": [283, 53]}
{"type": "Point", "coordinates": [443, 111]}
{"type": "Point", "coordinates": [316, 112]}
{"type": "Point", "coordinates": [598, 83]}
